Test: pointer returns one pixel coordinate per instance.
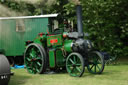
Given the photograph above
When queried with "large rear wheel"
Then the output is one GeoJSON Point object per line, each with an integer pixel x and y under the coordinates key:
{"type": "Point", "coordinates": [75, 65]}
{"type": "Point", "coordinates": [35, 58]}
{"type": "Point", "coordinates": [96, 62]}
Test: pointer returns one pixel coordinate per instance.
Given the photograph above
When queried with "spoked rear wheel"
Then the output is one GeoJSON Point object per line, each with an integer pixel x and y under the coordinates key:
{"type": "Point", "coordinates": [96, 62]}
{"type": "Point", "coordinates": [75, 65]}
{"type": "Point", "coordinates": [35, 58]}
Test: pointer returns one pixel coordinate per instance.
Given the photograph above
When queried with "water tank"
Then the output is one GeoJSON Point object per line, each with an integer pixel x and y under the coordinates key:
{"type": "Point", "coordinates": [4, 70]}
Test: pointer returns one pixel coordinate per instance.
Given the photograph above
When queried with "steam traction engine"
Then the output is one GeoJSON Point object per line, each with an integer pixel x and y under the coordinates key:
{"type": "Point", "coordinates": [70, 50]}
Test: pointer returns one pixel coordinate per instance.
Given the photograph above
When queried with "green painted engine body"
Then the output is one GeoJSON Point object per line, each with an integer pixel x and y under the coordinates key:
{"type": "Point", "coordinates": [56, 46]}
{"type": "Point", "coordinates": [15, 32]}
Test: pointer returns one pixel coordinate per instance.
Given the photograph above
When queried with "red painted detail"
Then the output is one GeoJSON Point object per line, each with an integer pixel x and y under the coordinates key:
{"type": "Point", "coordinates": [28, 41]}
{"type": "Point", "coordinates": [47, 31]}
{"type": "Point", "coordinates": [50, 35]}
{"type": "Point", "coordinates": [65, 22]}
{"type": "Point", "coordinates": [54, 41]}
{"type": "Point", "coordinates": [64, 35]}
{"type": "Point", "coordinates": [41, 34]}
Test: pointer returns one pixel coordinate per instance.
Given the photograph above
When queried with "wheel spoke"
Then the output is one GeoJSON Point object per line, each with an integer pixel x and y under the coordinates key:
{"type": "Point", "coordinates": [98, 62]}
{"type": "Point", "coordinates": [74, 58]}
{"type": "Point", "coordinates": [92, 66]}
{"type": "Point", "coordinates": [78, 64]}
{"type": "Point", "coordinates": [69, 65]}
{"type": "Point", "coordinates": [98, 67]}
{"type": "Point", "coordinates": [37, 69]}
{"type": "Point", "coordinates": [38, 63]}
{"type": "Point", "coordinates": [31, 55]}
{"type": "Point", "coordinates": [28, 59]}
{"type": "Point", "coordinates": [30, 69]}
{"type": "Point", "coordinates": [95, 68]}
{"type": "Point", "coordinates": [38, 58]}
{"type": "Point", "coordinates": [78, 69]}
{"type": "Point", "coordinates": [71, 61]}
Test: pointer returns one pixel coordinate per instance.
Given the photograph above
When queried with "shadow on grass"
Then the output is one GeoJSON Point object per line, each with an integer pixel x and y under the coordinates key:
{"type": "Point", "coordinates": [104, 73]}
{"type": "Point", "coordinates": [86, 73]}
{"type": "Point", "coordinates": [56, 72]}
{"type": "Point", "coordinates": [110, 73]}
{"type": "Point", "coordinates": [18, 79]}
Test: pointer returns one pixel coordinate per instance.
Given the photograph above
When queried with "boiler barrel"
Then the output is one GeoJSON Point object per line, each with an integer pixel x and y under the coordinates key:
{"type": "Point", "coordinates": [4, 70]}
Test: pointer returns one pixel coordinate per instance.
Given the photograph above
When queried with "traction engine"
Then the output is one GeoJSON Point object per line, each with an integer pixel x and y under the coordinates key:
{"type": "Point", "coordinates": [64, 50]}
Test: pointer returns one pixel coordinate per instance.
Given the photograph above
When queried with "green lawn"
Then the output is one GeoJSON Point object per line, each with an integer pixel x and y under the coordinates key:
{"type": "Point", "coordinates": [112, 75]}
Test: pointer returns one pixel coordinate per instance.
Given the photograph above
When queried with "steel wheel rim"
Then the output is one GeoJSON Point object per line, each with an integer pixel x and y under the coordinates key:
{"type": "Point", "coordinates": [33, 59]}
{"type": "Point", "coordinates": [96, 63]}
{"type": "Point", "coordinates": [74, 65]}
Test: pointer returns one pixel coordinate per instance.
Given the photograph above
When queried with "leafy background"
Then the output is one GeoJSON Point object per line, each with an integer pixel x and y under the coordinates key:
{"type": "Point", "coordinates": [106, 21]}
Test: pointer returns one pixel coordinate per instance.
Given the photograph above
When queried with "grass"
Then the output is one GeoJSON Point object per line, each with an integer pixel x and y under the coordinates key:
{"type": "Point", "coordinates": [112, 75]}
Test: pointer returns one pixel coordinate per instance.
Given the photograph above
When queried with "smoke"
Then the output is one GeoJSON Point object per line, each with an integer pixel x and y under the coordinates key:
{"type": "Point", "coordinates": [76, 2]}
{"type": "Point", "coordinates": [35, 2]}
{"type": "Point", "coordinates": [6, 12]}
{"type": "Point", "coordinates": [47, 2]}
{"type": "Point", "coordinates": [28, 1]}
{"type": "Point", "coordinates": [50, 2]}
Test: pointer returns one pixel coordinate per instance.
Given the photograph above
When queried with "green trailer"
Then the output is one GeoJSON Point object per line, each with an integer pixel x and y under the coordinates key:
{"type": "Point", "coordinates": [15, 31]}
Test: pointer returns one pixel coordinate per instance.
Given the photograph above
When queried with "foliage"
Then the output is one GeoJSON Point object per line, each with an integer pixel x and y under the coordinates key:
{"type": "Point", "coordinates": [104, 20]}
{"type": "Point", "coordinates": [106, 23]}
{"type": "Point", "coordinates": [59, 8]}
{"type": "Point", "coordinates": [22, 7]}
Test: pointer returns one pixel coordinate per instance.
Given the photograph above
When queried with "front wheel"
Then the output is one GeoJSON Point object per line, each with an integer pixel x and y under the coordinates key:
{"type": "Point", "coordinates": [75, 65]}
{"type": "Point", "coordinates": [96, 62]}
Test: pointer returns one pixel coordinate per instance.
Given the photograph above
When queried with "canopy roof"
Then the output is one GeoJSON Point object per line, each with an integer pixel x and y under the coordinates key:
{"type": "Point", "coordinates": [25, 17]}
